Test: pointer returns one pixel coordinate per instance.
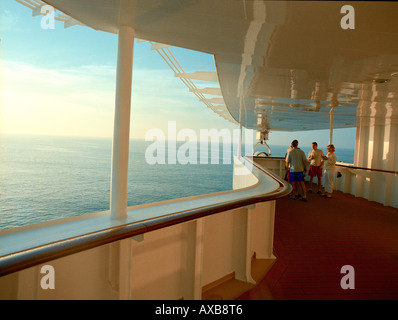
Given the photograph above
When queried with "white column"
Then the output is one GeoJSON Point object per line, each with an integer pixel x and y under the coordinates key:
{"type": "Point", "coordinates": [375, 145]}
{"type": "Point", "coordinates": [198, 267]}
{"type": "Point", "coordinates": [390, 159]}
{"type": "Point", "coordinates": [121, 132]}
{"type": "Point", "coordinates": [334, 102]}
{"type": "Point", "coordinates": [331, 126]}
{"type": "Point", "coordinates": [240, 126]}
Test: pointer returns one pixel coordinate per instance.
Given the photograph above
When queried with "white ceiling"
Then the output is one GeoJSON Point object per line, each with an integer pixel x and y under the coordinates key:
{"type": "Point", "coordinates": [285, 62]}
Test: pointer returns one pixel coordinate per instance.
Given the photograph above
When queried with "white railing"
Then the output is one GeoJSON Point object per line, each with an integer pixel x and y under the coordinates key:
{"type": "Point", "coordinates": [167, 250]}
{"type": "Point", "coordinates": [372, 184]}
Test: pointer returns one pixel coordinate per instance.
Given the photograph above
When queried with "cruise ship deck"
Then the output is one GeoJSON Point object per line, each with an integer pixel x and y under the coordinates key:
{"type": "Point", "coordinates": [315, 239]}
{"type": "Point", "coordinates": [281, 66]}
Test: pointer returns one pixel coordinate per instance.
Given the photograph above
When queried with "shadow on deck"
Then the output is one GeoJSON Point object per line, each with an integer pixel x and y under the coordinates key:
{"type": "Point", "coordinates": [315, 239]}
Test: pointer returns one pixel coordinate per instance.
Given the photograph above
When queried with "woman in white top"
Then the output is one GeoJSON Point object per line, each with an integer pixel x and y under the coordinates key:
{"type": "Point", "coordinates": [329, 170]}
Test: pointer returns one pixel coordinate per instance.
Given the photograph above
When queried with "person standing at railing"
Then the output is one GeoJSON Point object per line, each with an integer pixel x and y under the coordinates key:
{"type": "Point", "coordinates": [297, 163]}
{"type": "Point", "coordinates": [316, 162]}
{"type": "Point", "coordinates": [329, 166]}
{"type": "Point", "coordinates": [286, 164]}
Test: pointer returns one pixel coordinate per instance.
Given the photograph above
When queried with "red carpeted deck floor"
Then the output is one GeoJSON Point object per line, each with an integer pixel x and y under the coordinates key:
{"type": "Point", "coordinates": [315, 239]}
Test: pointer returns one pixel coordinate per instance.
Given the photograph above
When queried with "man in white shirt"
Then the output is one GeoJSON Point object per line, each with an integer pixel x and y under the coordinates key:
{"type": "Point", "coordinates": [297, 163]}
{"type": "Point", "coordinates": [316, 157]}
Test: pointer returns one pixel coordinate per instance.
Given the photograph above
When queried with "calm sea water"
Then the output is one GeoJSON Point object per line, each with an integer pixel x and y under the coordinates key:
{"type": "Point", "coordinates": [47, 178]}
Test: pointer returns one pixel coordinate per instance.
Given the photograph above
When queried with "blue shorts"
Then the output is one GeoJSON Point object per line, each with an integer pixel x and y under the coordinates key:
{"type": "Point", "coordinates": [296, 176]}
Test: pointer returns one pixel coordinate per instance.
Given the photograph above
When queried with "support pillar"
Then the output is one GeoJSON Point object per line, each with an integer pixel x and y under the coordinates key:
{"type": "Point", "coordinates": [331, 126]}
{"type": "Point", "coordinates": [375, 145]}
{"type": "Point", "coordinates": [334, 102]}
{"type": "Point", "coordinates": [121, 131]}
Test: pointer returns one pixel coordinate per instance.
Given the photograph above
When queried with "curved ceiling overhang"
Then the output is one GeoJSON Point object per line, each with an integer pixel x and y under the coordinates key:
{"type": "Point", "coordinates": [289, 64]}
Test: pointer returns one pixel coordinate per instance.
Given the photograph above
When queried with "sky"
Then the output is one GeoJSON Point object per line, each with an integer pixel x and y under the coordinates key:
{"type": "Point", "coordinates": [61, 82]}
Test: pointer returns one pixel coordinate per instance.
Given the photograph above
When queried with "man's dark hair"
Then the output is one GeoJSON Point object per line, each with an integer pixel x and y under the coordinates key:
{"type": "Point", "coordinates": [294, 143]}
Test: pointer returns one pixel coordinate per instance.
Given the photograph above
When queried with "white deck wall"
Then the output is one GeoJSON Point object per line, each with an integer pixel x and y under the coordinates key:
{"type": "Point", "coordinates": [175, 262]}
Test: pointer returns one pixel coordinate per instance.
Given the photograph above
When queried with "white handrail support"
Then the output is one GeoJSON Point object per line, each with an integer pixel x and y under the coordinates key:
{"type": "Point", "coordinates": [121, 133]}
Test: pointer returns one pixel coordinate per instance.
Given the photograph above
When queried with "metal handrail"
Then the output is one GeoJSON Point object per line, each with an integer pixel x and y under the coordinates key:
{"type": "Point", "coordinates": [368, 169]}
{"type": "Point", "coordinates": [17, 261]}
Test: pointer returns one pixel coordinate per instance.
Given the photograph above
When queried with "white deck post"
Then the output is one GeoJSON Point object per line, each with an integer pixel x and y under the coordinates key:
{"type": "Point", "coordinates": [331, 126]}
{"type": "Point", "coordinates": [121, 131]}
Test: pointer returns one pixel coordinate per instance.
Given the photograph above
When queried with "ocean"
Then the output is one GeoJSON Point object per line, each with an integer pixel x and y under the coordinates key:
{"type": "Point", "coordinates": [46, 178]}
